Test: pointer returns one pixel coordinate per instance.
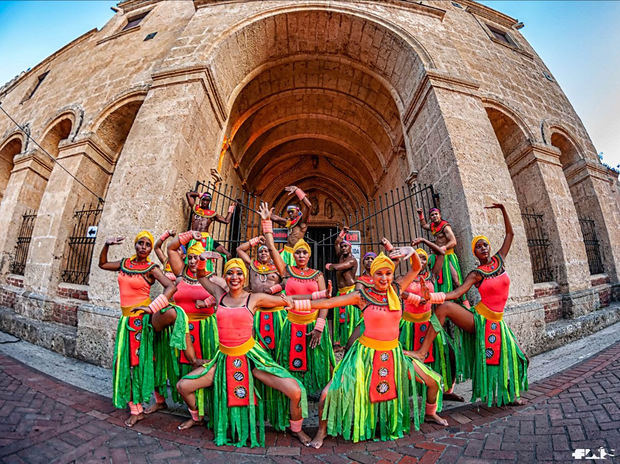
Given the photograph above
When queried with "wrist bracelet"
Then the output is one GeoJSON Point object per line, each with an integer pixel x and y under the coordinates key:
{"type": "Point", "coordinates": [267, 226]}
{"type": "Point", "coordinates": [300, 194]}
{"type": "Point", "coordinates": [320, 324]}
{"type": "Point", "coordinates": [165, 236]}
{"type": "Point", "coordinates": [303, 306]}
{"type": "Point", "coordinates": [185, 237]}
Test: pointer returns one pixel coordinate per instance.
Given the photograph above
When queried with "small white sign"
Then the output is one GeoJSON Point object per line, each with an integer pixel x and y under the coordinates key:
{"type": "Point", "coordinates": [91, 232]}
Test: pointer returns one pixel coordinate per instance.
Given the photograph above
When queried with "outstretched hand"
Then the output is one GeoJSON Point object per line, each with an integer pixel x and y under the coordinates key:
{"type": "Point", "coordinates": [401, 252]}
{"type": "Point", "coordinates": [416, 241]}
{"type": "Point", "coordinates": [210, 255]}
{"type": "Point", "coordinates": [315, 338]}
{"type": "Point", "coordinates": [288, 302]}
{"type": "Point", "coordinates": [264, 211]}
{"type": "Point", "coordinates": [290, 189]}
{"type": "Point", "coordinates": [114, 240]}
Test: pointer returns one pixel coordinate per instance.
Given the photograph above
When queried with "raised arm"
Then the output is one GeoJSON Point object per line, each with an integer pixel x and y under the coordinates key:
{"type": "Point", "coordinates": [305, 204]}
{"type": "Point", "coordinates": [471, 279]}
{"type": "Point", "coordinates": [210, 286]}
{"type": "Point", "coordinates": [340, 239]}
{"type": "Point", "coordinates": [174, 257]}
{"type": "Point", "coordinates": [231, 211]}
{"type": "Point", "coordinates": [244, 248]}
{"type": "Point", "coordinates": [159, 242]}
{"type": "Point", "coordinates": [414, 270]}
{"type": "Point", "coordinates": [103, 256]}
{"type": "Point", "coordinates": [266, 214]}
{"type": "Point", "coordinates": [423, 222]}
{"type": "Point", "coordinates": [191, 198]}
{"type": "Point", "coordinates": [507, 226]}
{"type": "Point", "coordinates": [439, 252]}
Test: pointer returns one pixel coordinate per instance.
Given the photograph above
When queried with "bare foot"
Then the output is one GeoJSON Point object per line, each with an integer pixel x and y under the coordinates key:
{"type": "Point", "coordinates": [453, 397]}
{"type": "Point", "coordinates": [188, 424]}
{"type": "Point", "coordinates": [517, 402]}
{"type": "Point", "coordinates": [302, 437]}
{"type": "Point", "coordinates": [131, 420]}
{"type": "Point", "coordinates": [157, 406]}
{"type": "Point", "coordinates": [436, 419]}
{"type": "Point", "coordinates": [317, 442]}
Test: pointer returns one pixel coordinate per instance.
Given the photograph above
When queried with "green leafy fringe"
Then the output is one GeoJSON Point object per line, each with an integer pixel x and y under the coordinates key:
{"type": "Point", "coordinates": [342, 332]}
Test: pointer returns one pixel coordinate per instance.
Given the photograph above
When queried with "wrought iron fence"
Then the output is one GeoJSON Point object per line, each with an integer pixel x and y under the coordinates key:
{"type": "Point", "coordinates": [588, 230]}
{"type": "Point", "coordinates": [23, 243]}
{"type": "Point", "coordinates": [79, 251]}
{"type": "Point", "coordinates": [391, 215]}
{"type": "Point", "coordinates": [538, 244]}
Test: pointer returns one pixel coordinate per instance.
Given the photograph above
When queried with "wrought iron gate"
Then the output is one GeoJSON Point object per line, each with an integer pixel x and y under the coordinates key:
{"type": "Point", "coordinates": [588, 230]}
{"type": "Point", "coordinates": [538, 245]}
{"type": "Point", "coordinates": [391, 215]}
{"type": "Point", "coordinates": [79, 252]}
{"type": "Point", "coordinates": [23, 243]}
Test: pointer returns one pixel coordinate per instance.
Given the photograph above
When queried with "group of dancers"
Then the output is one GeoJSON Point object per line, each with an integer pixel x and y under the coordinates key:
{"type": "Point", "coordinates": [249, 346]}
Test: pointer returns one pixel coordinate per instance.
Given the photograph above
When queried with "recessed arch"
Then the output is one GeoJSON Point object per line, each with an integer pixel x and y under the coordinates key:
{"type": "Point", "coordinates": [9, 148]}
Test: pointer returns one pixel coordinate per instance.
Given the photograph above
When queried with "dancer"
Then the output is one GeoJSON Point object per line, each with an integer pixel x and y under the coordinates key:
{"type": "Point", "coordinates": [240, 364]}
{"type": "Point", "coordinates": [134, 376]}
{"type": "Point", "coordinates": [163, 259]}
{"type": "Point", "coordinates": [345, 317]}
{"type": "Point", "coordinates": [371, 386]}
{"type": "Point", "coordinates": [417, 317]}
{"type": "Point", "coordinates": [264, 278]}
{"type": "Point", "coordinates": [311, 362]}
{"type": "Point", "coordinates": [202, 217]}
{"type": "Point", "coordinates": [450, 276]}
{"type": "Point", "coordinates": [296, 223]}
{"type": "Point", "coordinates": [500, 368]}
{"type": "Point", "coordinates": [365, 279]}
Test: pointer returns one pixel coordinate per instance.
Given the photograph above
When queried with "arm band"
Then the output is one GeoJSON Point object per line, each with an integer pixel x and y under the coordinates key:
{"type": "Point", "coordinates": [253, 241]}
{"type": "Point", "coordinates": [202, 264]}
{"type": "Point", "coordinates": [267, 226]}
{"type": "Point", "coordinates": [185, 237]}
{"type": "Point", "coordinates": [438, 298]}
{"type": "Point", "coordinates": [209, 301]}
{"type": "Point", "coordinates": [159, 303]}
{"type": "Point", "coordinates": [300, 194]}
{"type": "Point", "coordinates": [165, 236]}
{"type": "Point", "coordinates": [414, 299]}
{"type": "Point", "coordinates": [431, 408]}
{"type": "Point", "coordinates": [342, 234]}
{"type": "Point", "coordinates": [231, 209]}
{"type": "Point", "coordinates": [320, 324]}
{"type": "Point", "coordinates": [388, 246]}
{"type": "Point", "coordinates": [275, 289]}
{"type": "Point", "coordinates": [318, 295]}
{"type": "Point", "coordinates": [303, 306]}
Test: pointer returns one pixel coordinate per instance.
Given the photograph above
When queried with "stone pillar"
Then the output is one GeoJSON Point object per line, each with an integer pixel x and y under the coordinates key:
{"type": "Point", "coordinates": [174, 141]}
{"type": "Point", "coordinates": [31, 171]}
{"type": "Point", "coordinates": [93, 166]}
{"type": "Point", "coordinates": [538, 177]}
{"type": "Point", "coordinates": [595, 189]}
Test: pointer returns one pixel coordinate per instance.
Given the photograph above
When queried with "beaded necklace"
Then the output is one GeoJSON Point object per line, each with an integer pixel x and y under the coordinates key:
{"type": "Point", "coordinates": [491, 269]}
{"type": "Point", "coordinates": [436, 229]}
{"type": "Point", "coordinates": [198, 211]}
{"type": "Point", "coordinates": [132, 268]}
{"type": "Point", "coordinates": [303, 274]}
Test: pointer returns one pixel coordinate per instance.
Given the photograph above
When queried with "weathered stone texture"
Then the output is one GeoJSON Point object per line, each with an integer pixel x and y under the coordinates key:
{"type": "Point", "coordinates": [346, 99]}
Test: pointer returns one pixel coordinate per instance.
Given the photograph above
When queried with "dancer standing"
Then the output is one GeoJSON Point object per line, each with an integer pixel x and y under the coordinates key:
{"type": "Point", "coordinates": [365, 279]}
{"type": "Point", "coordinates": [134, 377]}
{"type": "Point", "coordinates": [296, 223]}
{"type": "Point", "coordinates": [371, 386]}
{"type": "Point", "coordinates": [311, 362]}
{"type": "Point", "coordinates": [345, 317]}
{"type": "Point", "coordinates": [240, 364]}
{"type": "Point", "coordinates": [500, 368]}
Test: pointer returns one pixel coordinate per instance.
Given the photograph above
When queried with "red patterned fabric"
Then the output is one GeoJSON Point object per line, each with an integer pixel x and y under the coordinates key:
{"type": "Point", "coordinates": [382, 382]}
{"type": "Point", "coordinates": [135, 335]}
{"type": "Point", "coordinates": [420, 331]}
{"type": "Point", "coordinates": [266, 330]}
{"type": "Point", "coordinates": [298, 355]}
{"type": "Point", "coordinates": [238, 381]}
{"type": "Point", "coordinates": [492, 342]}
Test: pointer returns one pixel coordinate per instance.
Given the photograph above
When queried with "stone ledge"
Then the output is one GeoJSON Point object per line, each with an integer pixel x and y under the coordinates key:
{"type": "Point", "coordinates": [566, 330]}
{"type": "Point", "coordinates": [55, 337]}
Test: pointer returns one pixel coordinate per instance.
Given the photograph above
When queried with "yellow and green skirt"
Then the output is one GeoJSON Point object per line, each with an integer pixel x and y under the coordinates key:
{"type": "Point", "coordinates": [287, 255]}
{"type": "Point", "coordinates": [234, 425]}
{"type": "Point", "coordinates": [346, 319]}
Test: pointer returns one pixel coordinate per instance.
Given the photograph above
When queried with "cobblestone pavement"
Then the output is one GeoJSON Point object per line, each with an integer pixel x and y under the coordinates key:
{"type": "Point", "coordinates": [43, 420]}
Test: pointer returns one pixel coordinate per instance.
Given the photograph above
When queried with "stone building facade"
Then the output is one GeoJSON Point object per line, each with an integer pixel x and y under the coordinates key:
{"type": "Point", "coordinates": [345, 99]}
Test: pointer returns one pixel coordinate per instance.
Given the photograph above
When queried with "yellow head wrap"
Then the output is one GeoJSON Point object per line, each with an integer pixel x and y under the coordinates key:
{"type": "Point", "coordinates": [142, 234]}
{"type": "Point", "coordinates": [301, 243]}
{"type": "Point", "coordinates": [419, 251]}
{"type": "Point", "coordinates": [475, 240]}
{"type": "Point", "coordinates": [239, 264]}
{"type": "Point", "coordinates": [195, 248]}
{"type": "Point", "coordinates": [380, 262]}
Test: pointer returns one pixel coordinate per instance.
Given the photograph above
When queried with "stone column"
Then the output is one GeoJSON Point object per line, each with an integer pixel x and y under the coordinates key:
{"type": "Point", "coordinates": [174, 141]}
{"type": "Point", "coordinates": [31, 171]}
{"type": "Point", "coordinates": [92, 165]}
{"type": "Point", "coordinates": [537, 174]}
{"type": "Point", "coordinates": [596, 191]}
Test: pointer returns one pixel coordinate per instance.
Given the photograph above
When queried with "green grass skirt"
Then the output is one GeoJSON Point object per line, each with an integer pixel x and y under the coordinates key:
{"type": "Point", "coordinates": [156, 360]}
{"type": "Point", "coordinates": [278, 321]}
{"type": "Point", "coordinates": [343, 330]}
{"type": "Point", "coordinates": [349, 411]}
{"type": "Point", "coordinates": [501, 383]}
{"type": "Point", "coordinates": [234, 425]}
{"type": "Point", "coordinates": [321, 360]}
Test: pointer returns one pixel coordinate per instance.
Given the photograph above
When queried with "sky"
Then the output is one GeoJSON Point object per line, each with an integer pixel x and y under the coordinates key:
{"type": "Point", "coordinates": [578, 41]}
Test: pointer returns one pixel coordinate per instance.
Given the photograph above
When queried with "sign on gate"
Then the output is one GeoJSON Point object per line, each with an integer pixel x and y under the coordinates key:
{"type": "Point", "coordinates": [354, 237]}
{"type": "Point", "coordinates": [280, 235]}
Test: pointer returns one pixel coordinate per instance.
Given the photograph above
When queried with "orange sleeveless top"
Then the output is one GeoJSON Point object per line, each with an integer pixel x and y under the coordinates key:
{"type": "Point", "coordinates": [234, 324]}
{"type": "Point", "coordinates": [132, 284]}
{"type": "Point", "coordinates": [379, 322]}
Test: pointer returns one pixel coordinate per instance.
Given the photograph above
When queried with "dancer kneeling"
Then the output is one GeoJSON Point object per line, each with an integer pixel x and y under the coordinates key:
{"type": "Point", "coordinates": [500, 369]}
{"type": "Point", "coordinates": [372, 384]}
{"type": "Point", "coordinates": [237, 411]}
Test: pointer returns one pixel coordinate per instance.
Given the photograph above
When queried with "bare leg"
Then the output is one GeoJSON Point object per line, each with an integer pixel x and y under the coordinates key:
{"type": "Point", "coordinates": [187, 389]}
{"type": "Point", "coordinates": [321, 433]}
{"type": "Point", "coordinates": [291, 389]}
{"type": "Point", "coordinates": [456, 282]}
{"type": "Point", "coordinates": [449, 394]}
{"type": "Point", "coordinates": [457, 314]}
{"type": "Point", "coordinates": [160, 320]}
{"type": "Point", "coordinates": [431, 394]}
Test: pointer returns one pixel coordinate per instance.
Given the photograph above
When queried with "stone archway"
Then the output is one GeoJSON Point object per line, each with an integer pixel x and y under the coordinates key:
{"type": "Point", "coordinates": [11, 147]}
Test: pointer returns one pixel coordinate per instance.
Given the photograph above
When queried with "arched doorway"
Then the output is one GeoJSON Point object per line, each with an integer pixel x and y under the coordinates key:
{"type": "Point", "coordinates": [8, 150]}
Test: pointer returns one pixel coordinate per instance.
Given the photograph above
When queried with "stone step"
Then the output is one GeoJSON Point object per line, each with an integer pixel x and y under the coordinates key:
{"type": "Point", "coordinates": [50, 335]}
{"type": "Point", "coordinates": [564, 331]}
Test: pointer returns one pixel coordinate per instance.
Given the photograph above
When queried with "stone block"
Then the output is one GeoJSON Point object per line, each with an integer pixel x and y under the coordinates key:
{"type": "Point", "coordinates": [96, 332]}
{"type": "Point", "coordinates": [575, 304]}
